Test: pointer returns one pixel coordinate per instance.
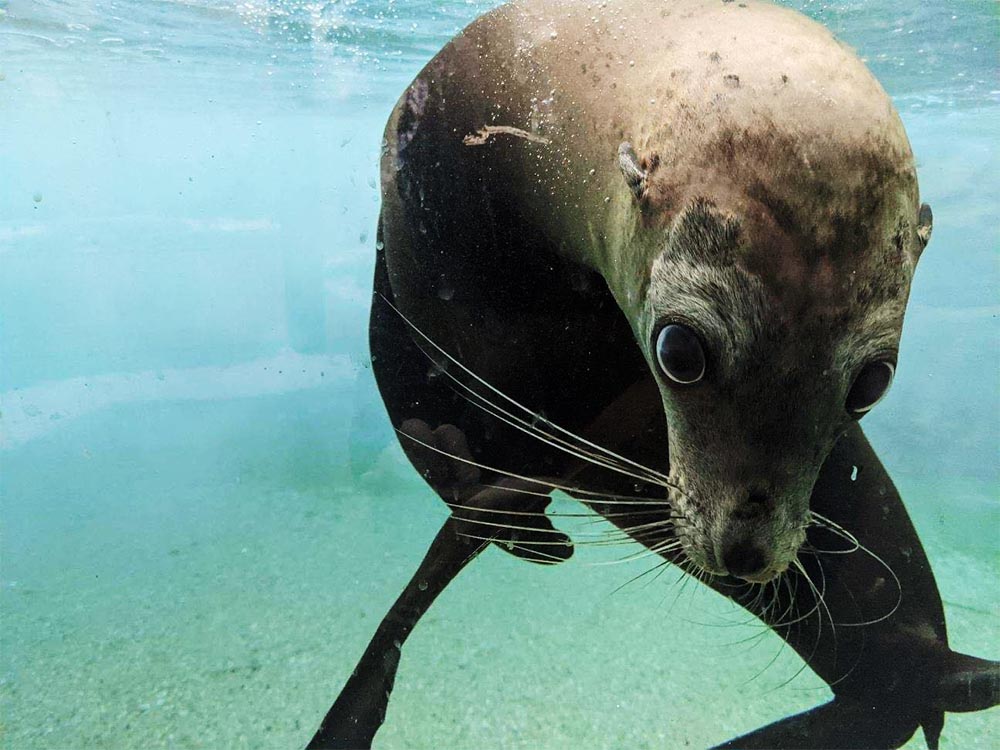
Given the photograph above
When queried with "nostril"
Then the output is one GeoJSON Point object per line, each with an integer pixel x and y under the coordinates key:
{"type": "Point", "coordinates": [743, 559]}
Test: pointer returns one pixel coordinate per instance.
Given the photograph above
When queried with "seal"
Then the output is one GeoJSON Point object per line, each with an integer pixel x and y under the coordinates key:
{"type": "Point", "coordinates": [657, 256]}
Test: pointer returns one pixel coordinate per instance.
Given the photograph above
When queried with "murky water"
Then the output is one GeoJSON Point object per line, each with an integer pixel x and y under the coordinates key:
{"type": "Point", "coordinates": [204, 511]}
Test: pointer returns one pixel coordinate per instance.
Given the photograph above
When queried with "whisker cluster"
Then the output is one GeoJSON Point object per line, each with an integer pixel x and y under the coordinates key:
{"type": "Point", "coordinates": [775, 604]}
{"type": "Point", "coordinates": [511, 412]}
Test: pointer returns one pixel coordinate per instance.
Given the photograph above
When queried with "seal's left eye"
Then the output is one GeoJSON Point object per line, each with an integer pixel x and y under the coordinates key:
{"type": "Point", "coordinates": [680, 354]}
{"type": "Point", "coordinates": [869, 387]}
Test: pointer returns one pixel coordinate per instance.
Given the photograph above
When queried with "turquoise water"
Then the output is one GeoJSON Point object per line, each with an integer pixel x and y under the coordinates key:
{"type": "Point", "coordinates": [204, 512]}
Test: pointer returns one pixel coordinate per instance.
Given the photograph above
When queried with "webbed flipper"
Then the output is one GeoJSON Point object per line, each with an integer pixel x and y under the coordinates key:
{"type": "Point", "coordinates": [841, 723]}
{"type": "Point", "coordinates": [515, 521]}
{"type": "Point", "coordinates": [947, 682]}
{"type": "Point", "coordinates": [965, 683]}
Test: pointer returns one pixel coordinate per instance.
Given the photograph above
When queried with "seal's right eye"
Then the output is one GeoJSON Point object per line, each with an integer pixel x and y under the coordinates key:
{"type": "Point", "coordinates": [680, 354]}
{"type": "Point", "coordinates": [869, 387]}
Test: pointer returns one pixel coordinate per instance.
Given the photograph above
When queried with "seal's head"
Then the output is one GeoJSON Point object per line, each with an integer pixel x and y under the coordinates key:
{"type": "Point", "coordinates": [770, 315]}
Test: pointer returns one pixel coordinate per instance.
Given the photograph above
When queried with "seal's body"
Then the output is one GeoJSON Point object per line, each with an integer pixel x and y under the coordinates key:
{"type": "Point", "coordinates": [657, 255]}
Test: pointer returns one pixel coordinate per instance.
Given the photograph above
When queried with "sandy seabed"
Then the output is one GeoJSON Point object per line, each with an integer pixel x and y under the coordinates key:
{"type": "Point", "coordinates": [210, 581]}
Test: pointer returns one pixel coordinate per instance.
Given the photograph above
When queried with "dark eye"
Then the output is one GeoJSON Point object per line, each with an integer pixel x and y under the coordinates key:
{"type": "Point", "coordinates": [869, 387]}
{"type": "Point", "coordinates": [680, 354]}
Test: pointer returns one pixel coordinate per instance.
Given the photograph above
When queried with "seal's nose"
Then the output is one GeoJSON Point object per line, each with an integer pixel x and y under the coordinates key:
{"type": "Point", "coordinates": [743, 559]}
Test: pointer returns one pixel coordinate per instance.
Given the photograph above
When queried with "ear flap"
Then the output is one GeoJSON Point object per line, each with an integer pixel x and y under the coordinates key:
{"type": "Point", "coordinates": [635, 176]}
{"type": "Point", "coordinates": [925, 222]}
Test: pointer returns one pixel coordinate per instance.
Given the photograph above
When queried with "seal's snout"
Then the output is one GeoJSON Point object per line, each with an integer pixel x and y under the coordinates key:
{"type": "Point", "coordinates": [740, 550]}
{"type": "Point", "coordinates": [744, 559]}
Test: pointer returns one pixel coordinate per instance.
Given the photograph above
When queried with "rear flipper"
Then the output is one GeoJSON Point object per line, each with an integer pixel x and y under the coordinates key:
{"type": "Point", "coordinates": [966, 683]}
{"type": "Point", "coordinates": [841, 723]}
{"type": "Point", "coordinates": [952, 682]}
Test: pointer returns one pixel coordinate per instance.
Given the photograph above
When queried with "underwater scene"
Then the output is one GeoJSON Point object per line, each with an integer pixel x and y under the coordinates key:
{"type": "Point", "coordinates": [206, 510]}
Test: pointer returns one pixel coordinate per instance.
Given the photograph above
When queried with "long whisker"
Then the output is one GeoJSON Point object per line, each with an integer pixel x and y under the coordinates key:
{"type": "Point", "coordinates": [813, 548]}
{"type": "Point", "coordinates": [793, 589]}
{"type": "Point", "coordinates": [601, 498]}
{"type": "Point", "coordinates": [657, 550]}
{"type": "Point", "coordinates": [533, 480]}
{"type": "Point", "coordinates": [657, 567]}
{"type": "Point", "coordinates": [512, 542]}
{"type": "Point", "coordinates": [822, 522]}
{"type": "Point", "coordinates": [577, 539]}
{"type": "Point", "coordinates": [819, 596]}
{"type": "Point", "coordinates": [552, 514]}
{"type": "Point", "coordinates": [684, 579]}
{"type": "Point", "coordinates": [609, 537]}
{"type": "Point", "coordinates": [836, 528]}
{"type": "Point", "coordinates": [535, 416]}
{"type": "Point", "coordinates": [773, 659]}
{"type": "Point", "coordinates": [552, 440]}
{"type": "Point", "coordinates": [554, 558]}
{"type": "Point", "coordinates": [781, 623]}
{"type": "Point", "coordinates": [770, 590]}
{"type": "Point", "coordinates": [595, 518]}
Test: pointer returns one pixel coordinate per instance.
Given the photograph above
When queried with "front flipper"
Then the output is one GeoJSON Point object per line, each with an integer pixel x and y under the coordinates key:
{"type": "Point", "coordinates": [958, 683]}
{"type": "Point", "coordinates": [515, 522]}
{"type": "Point", "coordinates": [841, 723]}
{"type": "Point", "coordinates": [441, 456]}
{"type": "Point", "coordinates": [947, 681]}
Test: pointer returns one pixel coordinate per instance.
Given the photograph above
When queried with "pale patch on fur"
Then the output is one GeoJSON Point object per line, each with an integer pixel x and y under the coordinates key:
{"type": "Point", "coordinates": [726, 304]}
{"type": "Point", "coordinates": [483, 135]}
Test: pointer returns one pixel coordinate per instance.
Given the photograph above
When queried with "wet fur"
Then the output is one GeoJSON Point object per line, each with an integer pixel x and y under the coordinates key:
{"type": "Point", "coordinates": [532, 273]}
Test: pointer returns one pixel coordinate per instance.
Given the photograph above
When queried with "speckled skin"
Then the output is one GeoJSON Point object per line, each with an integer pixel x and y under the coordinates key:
{"type": "Point", "coordinates": [724, 94]}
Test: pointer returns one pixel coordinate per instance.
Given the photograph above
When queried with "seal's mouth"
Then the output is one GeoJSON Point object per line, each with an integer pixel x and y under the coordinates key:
{"type": "Point", "coordinates": [769, 572]}
{"type": "Point", "coordinates": [744, 556]}
{"type": "Point", "coordinates": [740, 530]}
{"type": "Point", "coordinates": [766, 575]}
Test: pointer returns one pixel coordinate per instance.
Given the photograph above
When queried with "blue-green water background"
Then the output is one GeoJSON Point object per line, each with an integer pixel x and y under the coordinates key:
{"type": "Point", "coordinates": [203, 511]}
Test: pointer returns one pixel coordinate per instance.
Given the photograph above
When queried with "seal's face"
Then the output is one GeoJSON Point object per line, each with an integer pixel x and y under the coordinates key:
{"type": "Point", "coordinates": [765, 346]}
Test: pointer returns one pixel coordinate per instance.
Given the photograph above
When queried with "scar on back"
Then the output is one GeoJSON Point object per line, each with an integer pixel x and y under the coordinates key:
{"type": "Point", "coordinates": [486, 132]}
